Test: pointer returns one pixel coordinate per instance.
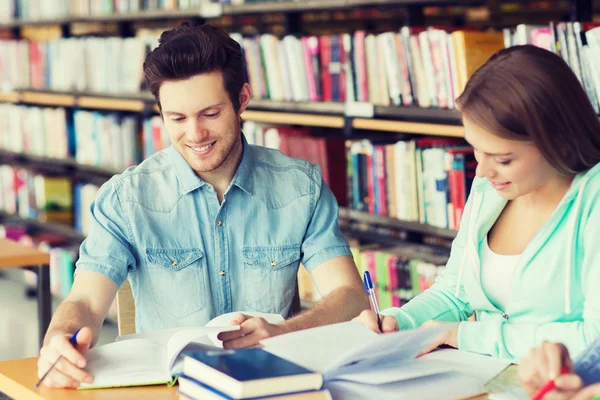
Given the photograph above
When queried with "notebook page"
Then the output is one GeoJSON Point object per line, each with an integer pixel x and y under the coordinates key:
{"type": "Point", "coordinates": [127, 363]}
{"type": "Point", "coordinates": [316, 348]}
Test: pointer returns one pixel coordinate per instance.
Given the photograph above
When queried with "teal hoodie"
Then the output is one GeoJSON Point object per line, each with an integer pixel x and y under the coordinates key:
{"type": "Point", "coordinates": [555, 289]}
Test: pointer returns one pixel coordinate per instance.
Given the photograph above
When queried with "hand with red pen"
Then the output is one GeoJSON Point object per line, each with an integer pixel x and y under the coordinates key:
{"type": "Point", "coordinates": [547, 373]}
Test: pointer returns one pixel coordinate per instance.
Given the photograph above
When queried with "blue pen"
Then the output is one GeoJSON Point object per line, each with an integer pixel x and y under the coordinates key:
{"type": "Point", "coordinates": [371, 293]}
{"type": "Point", "coordinates": [73, 341]}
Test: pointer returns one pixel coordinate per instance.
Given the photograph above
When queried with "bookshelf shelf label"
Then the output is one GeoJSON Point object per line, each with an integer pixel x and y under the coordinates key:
{"type": "Point", "coordinates": [359, 109]}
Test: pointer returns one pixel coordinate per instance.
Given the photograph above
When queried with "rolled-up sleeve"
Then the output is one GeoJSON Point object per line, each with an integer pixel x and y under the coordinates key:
{"type": "Point", "coordinates": [107, 249]}
{"type": "Point", "coordinates": [323, 240]}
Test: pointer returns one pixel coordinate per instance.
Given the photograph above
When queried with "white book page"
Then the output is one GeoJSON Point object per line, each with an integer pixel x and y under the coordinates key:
{"type": "Point", "coordinates": [131, 362]}
{"type": "Point", "coordinates": [184, 337]}
{"type": "Point", "coordinates": [394, 372]}
{"type": "Point", "coordinates": [389, 348]}
{"type": "Point", "coordinates": [484, 368]}
{"type": "Point", "coordinates": [316, 348]}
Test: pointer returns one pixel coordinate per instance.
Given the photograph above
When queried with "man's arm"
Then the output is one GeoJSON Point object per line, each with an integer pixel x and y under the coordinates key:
{"type": "Point", "coordinates": [343, 295]}
{"type": "Point", "coordinates": [87, 304]}
{"type": "Point", "coordinates": [84, 308]}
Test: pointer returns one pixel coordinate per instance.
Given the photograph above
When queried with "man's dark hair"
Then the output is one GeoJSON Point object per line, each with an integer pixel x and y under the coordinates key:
{"type": "Point", "coordinates": [189, 50]}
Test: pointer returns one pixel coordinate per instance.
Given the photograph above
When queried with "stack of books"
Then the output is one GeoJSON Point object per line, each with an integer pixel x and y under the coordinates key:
{"type": "Point", "coordinates": [247, 374]}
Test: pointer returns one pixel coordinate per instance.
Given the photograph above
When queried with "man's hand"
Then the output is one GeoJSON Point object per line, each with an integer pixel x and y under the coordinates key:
{"type": "Point", "coordinates": [369, 319]}
{"type": "Point", "coordinates": [252, 331]}
{"type": "Point", "coordinates": [68, 372]}
{"type": "Point", "coordinates": [450, 337]}
{"type": "Point", "coordinates": [543, 364]}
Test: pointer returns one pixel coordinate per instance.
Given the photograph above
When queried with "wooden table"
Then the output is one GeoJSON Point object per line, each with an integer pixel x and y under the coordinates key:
{"type": "Point", "coordinates": [15, 255]}
{"type": "Point", "coordinates": [17, 378]}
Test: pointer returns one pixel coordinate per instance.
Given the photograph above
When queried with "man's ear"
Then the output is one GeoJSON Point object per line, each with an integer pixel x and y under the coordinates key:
{"type": "Point", "coordinates": [245, 96]}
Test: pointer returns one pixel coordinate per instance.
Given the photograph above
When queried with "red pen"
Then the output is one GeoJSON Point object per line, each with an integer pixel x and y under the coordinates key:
{"type": "Point", "coordinates": [550, 385]}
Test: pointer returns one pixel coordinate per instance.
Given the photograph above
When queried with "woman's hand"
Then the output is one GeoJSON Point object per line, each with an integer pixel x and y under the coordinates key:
{"type": "Point", "coordinates": [450, 337]}
{"type": "Point", "coordinates": [369, 319]}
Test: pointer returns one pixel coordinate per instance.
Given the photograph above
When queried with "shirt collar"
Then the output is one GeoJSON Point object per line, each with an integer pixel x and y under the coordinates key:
{"type": "Point", "coordinates": [189, 180]}
{"type": "Point", "coordinates": [243, 176]}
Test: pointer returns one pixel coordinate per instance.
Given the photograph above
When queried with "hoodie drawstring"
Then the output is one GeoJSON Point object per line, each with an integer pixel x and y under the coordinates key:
{"type": "Point", "coordinates": [470, 225]}
{"type": "Point", "coordinates": [569, 267]}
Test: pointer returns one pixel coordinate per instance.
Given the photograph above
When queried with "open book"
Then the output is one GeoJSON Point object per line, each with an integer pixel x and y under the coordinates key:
{"type": "Point", "coordinates": [351, 352]}
{"type": "Point", "coordinates": [155, 357]}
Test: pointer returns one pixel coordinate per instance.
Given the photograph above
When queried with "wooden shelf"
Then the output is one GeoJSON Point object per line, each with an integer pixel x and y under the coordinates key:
{"type": "Point", "coordinates": [410, 120]}
{"type": "Point", "coordinates": [106, 103]}
{"type": "Point", "coordinates": [60, 229]}
{"type": "Point", "coordinates": [408, 127]}
{"type": "Point", "coordinates": [9, 97]}
{"type": "Point", "coordinates": [48, 99]}
{"type": "Point", "coordinates": [352, 215]}
{"type": "Point", "coordinates": [288, 106]}
{"type": "Point", "coordinates": [294, 119]}
{"type": "Point", "coordinates": [31, 160]}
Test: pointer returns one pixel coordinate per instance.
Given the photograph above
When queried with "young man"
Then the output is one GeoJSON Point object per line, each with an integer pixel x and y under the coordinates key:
{"type": "Point", "coordinates": [208, 226]}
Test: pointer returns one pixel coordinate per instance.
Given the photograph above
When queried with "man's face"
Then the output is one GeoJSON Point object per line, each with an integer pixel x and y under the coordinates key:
{"type": "Point", "coordinates": [200, 119]}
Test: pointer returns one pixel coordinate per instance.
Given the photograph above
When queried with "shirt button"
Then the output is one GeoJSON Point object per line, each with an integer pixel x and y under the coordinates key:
{"type": "Point", "coordinates": [174, 263]}
{"type": "Point", "coordinates": [273, 264]}
{"type": "Point", "coordinates": [219, 223]}
{"type": "Point", "coordinates": [222, 273]}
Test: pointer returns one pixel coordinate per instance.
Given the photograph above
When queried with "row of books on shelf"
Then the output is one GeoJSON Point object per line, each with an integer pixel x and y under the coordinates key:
{"type": "Point", "coordinates": [425, 180]}
{"type": "Point", "coordinates": [55, 199]}
{"type": "Point", "coordinates": [399, 273]}
{"type": "Point", "coordinates": [578, 43]}
{"type": "Point", "coordinates": [415, 66]}
{"type": "Point", "coordinates": [105, 65]}
{"type": "Point", "coordinates": [46, 9]}
{"type": "Point", "coordinates": [426, 67]}
{"type": "Point", "coordinates": [105, 139]}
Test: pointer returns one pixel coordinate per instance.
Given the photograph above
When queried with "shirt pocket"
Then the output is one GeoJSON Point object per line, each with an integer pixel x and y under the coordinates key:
{"type": "Point", "coordinates": [177, 280]}
{"type": "Point", "coordinates": [270, 277]}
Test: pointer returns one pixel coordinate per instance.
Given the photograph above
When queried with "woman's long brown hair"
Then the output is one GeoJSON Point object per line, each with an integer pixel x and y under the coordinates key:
{"type": "Point", "coordinates": [530, 94]}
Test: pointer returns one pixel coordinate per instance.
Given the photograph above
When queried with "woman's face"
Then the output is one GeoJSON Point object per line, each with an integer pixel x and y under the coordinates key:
{"type": "Point", "coordinates": [514, 168]}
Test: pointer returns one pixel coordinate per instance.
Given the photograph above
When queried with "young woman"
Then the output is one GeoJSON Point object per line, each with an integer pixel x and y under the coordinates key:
{"type": "Point", "coordinates": [526, 260]}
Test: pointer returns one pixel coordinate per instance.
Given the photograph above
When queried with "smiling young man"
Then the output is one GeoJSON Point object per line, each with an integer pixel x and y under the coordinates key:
{"type": "Point", "coordinates": [208, 226]}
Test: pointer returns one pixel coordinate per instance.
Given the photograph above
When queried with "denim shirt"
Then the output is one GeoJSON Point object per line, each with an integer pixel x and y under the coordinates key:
{"type": "Point", "coordinates": [189, 258]}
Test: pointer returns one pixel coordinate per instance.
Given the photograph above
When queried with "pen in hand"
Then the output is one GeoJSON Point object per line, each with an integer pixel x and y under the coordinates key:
{"type": "Point", "coordinates": [371, 293]}
{"type": "Point", "coordinates": [548, 386]}
{"type": "Point", "coordinates": [73, 341]}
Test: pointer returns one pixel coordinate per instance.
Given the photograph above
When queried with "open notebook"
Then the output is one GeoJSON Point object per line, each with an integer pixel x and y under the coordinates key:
{"type": "Point", "coordinates": [155, 357]}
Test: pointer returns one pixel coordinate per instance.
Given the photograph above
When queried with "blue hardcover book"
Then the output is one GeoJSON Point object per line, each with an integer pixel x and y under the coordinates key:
{"type": "Point", "coordinates": [195, 390]}
{"type": "Point", "coordinates": [248, 373]}
{"type": "Point", "coordinates": [587, 364]}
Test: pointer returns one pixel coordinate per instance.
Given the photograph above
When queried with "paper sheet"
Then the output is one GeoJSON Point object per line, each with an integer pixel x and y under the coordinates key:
{"type": "Point", "coordinates": [478, 366]}
{"type": "Point", "coordinates": [446, 386]}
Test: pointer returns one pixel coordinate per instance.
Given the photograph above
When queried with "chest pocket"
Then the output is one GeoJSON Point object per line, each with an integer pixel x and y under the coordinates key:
{"type": "Point", "coordinates": [270, 277]}
{"type": "Point", "coordinates": [177, 280]}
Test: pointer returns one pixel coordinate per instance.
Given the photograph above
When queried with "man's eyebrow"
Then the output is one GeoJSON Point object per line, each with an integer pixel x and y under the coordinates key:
{"type": "Point", "coordinates": [199, 112]}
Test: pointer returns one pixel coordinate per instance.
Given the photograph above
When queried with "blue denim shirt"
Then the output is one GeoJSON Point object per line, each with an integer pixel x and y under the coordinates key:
{"type": "Point", "coordinates": [189, 258]}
